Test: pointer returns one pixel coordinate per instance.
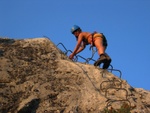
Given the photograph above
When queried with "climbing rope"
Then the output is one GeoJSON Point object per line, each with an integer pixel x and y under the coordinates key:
{"type": "Point", "coordinates": [107, 85]}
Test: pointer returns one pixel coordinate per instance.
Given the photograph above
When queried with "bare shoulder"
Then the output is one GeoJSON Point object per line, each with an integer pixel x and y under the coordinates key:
{"type": "Point", "coordinates": [85, 34]}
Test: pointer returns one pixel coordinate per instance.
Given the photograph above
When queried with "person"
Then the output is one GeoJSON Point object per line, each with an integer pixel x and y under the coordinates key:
{"type": "Point", "coordinates": [94, 39]}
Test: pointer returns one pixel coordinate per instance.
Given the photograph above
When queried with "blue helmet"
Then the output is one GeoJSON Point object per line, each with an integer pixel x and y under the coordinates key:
{"type": "Point", "coordinates": [74, 28]}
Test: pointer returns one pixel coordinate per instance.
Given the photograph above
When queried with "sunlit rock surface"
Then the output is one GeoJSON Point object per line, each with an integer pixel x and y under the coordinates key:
{"type": "Point", "coordinates": [36, 77]}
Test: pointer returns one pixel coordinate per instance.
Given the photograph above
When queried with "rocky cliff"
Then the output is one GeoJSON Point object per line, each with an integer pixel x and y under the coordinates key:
{"type": "Point", "coordinates": [36, 77]}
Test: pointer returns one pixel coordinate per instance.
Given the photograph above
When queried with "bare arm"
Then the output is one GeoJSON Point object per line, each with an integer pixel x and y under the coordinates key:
{"type": "Point", "coordinates": [79, 47]}
{"type": "Point", "coordinates": [82, 46]}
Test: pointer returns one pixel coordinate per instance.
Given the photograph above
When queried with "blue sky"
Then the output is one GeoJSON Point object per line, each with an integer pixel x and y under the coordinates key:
{"type": "Point", "coordinates": [125, 23]}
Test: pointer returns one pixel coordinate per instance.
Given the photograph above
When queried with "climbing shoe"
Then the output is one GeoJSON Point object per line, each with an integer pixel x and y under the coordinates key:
{"type": "Point", "coordinates": [105, 59]}
{"type": "Point", "coordinates": [106, 64]}
{"type": "Point", "coordinates": [102, 59]}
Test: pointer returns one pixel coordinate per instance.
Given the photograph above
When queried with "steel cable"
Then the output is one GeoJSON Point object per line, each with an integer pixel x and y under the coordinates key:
{"type": "Point", "coordinates": [112, 84]}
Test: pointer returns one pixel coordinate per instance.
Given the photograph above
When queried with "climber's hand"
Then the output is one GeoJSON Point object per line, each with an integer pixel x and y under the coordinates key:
{"type": "Point", "coordinates": [71, 56]}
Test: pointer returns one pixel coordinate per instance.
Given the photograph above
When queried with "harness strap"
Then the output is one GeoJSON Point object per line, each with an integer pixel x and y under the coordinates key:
{"type": "Point", "coordinates": [92, 44]}
{"type": "Point", "coordinates": [104, 39]}
{"type": "Point", "coordinates": [93, 37]}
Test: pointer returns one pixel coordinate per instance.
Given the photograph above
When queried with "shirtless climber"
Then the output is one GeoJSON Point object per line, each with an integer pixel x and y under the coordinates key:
{"type": "Point", "coordinates": [95, 39]}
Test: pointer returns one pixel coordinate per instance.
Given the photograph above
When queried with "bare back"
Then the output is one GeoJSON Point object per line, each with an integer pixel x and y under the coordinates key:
{"type": "Point", "coordinates": [86, 37]}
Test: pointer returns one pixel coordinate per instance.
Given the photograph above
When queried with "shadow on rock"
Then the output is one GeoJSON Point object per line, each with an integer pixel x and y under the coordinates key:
{"type": "Point", "coordinates": [6, 41]}
{"type": "Point", "coordinates": [30, 107]}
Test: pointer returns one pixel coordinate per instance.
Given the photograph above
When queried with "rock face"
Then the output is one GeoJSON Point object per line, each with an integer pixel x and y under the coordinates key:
{"type": "Point", "coordinates": [36, 77]}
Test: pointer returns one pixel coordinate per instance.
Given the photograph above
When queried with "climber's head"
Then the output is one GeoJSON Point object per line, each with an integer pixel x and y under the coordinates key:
{"type": "Point", "coordinates": [76, 30]}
